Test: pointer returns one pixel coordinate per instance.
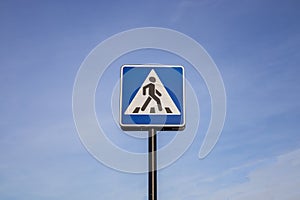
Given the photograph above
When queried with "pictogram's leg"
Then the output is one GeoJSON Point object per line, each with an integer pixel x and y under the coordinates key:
{"type": "Point", "coordinates": [159, 107]}
{"type": "Point", "coordinates": [146, 103]}
{"type": "Point", "coordinates": [158, 102]}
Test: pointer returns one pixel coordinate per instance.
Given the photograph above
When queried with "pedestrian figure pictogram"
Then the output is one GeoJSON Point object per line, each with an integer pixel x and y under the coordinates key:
{"type": "Point", "coordinates": [152, 98]}
{"type": "Point", "coordinates": [152, 94]}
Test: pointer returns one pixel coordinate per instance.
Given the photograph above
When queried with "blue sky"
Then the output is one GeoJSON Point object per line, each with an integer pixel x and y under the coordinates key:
{"type": "Point", "coordinates": [255, 45]}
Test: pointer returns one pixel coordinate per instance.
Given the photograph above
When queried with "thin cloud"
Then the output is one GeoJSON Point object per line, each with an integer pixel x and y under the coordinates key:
{"type": "Point", "coordinates": [276, 181]}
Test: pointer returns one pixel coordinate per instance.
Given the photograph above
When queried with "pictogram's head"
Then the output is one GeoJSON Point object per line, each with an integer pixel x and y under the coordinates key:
{"type": "Point", "coordinates": [152, 79]}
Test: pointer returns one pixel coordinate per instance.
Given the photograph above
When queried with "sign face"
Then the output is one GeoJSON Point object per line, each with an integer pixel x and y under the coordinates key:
{"type": "Point", "coordinates": [152, 96]}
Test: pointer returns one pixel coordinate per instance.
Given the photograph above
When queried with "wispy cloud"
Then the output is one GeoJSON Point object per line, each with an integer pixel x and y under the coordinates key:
{"type": "Point", "coordinates": [183, 7]}
{"type": "Point", "coordinates": [277, 181]}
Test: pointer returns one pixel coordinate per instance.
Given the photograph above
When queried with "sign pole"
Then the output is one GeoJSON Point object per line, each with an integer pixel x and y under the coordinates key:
{"type": "Point", "coordinates": [152, 161]}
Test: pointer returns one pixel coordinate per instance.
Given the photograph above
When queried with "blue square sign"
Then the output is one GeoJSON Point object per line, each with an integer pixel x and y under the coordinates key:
{"type": "Point", "coordinates": [152, 96]}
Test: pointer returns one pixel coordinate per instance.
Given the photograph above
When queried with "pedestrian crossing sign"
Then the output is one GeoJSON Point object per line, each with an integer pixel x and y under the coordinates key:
{"type": "Point", "coordinates": [152, 96]}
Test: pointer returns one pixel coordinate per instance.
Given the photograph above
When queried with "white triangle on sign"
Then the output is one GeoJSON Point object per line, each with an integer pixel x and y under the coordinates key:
{"type": "Point", "coordinates": [152, 99]}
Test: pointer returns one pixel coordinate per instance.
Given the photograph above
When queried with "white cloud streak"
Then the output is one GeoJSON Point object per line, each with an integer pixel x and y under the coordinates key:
{"type": "Point", "coordinates": [276, 181]}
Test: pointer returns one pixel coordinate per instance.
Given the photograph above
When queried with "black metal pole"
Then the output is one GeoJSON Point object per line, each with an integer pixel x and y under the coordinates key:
{"type": "Point", "coordinates": [152, 161]}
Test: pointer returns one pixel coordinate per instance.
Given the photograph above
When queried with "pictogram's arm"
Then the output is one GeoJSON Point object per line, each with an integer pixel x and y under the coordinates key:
{"type": "Point", "coordinates": [158, 93]}
{"type": "Point", "coordinates": [145, 88]}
